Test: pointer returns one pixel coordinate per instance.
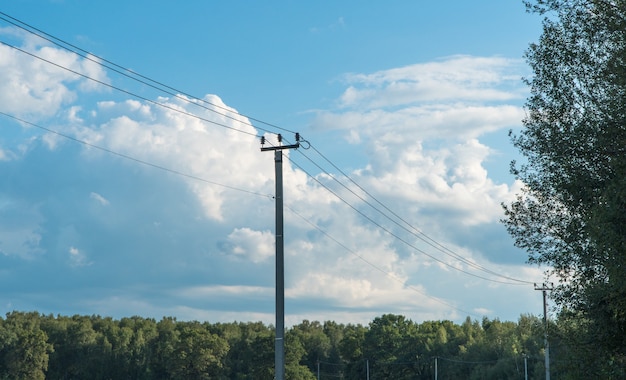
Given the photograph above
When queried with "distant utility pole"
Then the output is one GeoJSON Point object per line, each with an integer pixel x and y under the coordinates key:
{"type": "Point", "coordinates": [544, 288]}
{"type": "Point", "coordinates": [279, 343]}
{"type": "Point", "coordinates": [525, 367]}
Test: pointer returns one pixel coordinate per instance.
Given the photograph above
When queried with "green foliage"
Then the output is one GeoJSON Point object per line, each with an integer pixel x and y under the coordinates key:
{"type": "Point", "coordinates": [197, 353]}
{"type": "Point", "coordinates": [23, 347]}
{"type": "Point", "coordinates": [571, 214]}
{"type": "Point", "coordinates": [33, 346]}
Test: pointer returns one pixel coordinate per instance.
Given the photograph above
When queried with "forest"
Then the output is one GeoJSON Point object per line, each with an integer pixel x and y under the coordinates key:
{"type": "Point", "coordinates": [37, 346]}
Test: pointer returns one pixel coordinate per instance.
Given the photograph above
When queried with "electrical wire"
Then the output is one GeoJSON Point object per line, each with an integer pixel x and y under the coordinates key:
{"type": "Point", "coordinates": [388, 274]}
{"type": "Point", "coordinates": [148, 81]}
{"type": "Point", "coordinates": [394, 235]}
{"type": "Point", "coordinates": [249, 133]}
{"type": "Point", "coordinates": [177, 172]}
{"type": "Point", "coordinates": [412, 230]}
{"type": "Point", "coordinates": [171, 108]}
{"type": "Point", "coordinates": [415, 232]}
{"type": "Point", "coordinates": [131, 74]}
{"type": "Point", "coordinates": [135, 76]}
{"type": "Point", "coordinates": [137, 160]}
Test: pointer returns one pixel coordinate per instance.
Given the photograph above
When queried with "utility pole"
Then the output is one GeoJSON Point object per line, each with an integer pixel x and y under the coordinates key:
{"type": "Point", "coordinates": [279, 342]}
{"type": "Point", "coordinates": [525, 367]}
{"type": "Point", "coordinates": [318, 369]}
{"type": "Point", "coordinates": [544, 288]}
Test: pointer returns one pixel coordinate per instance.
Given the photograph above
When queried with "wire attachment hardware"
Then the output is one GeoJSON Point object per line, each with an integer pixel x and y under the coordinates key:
{"type": "Point", "coordinates": [280, 146]}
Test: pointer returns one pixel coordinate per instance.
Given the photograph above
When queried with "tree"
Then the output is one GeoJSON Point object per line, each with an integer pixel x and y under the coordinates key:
{"type": "Point", "coordinates": [23, 347]}
{"type": "Point", "coordinates": [315, 342]}
{"type": "Point", "coordinates": [79, 351]}
{"type": "Point", "coordinates": [163, 347]}
{"type": "Point", "coordinates": [251, 354]}
{"type": "Point", "coordinates": [570, 216]}
{"type": "Point", "coordinates": [390, 346]}
{"type": "Point", "coordinates": [294, 353]}
{"type": "Point", "coordinates": [197, 354]}
{"type": "Point", "coordinates": [351, 349]}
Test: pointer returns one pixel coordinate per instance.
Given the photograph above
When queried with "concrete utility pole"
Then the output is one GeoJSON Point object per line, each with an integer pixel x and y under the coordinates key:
{"type": "Point", "coordinates": [544, 288]}
{"type": "Point", "coordinates": [279, 343]}
{"type": "Point", "coordinates": [525, 367]}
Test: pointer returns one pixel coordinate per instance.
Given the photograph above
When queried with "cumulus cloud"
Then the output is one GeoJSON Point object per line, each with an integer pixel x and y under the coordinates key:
{"type": "Point", "coordinates": [194, 224]}
{"type": "Point", "coordinates": [35, 88]}
{"type": "Point", "coordinates": [422, 128]}
{"type": "Point", "coordinates": [253, 245]}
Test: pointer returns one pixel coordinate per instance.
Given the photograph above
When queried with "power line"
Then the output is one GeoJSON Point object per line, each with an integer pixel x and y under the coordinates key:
{"type": "Point", "coordinates": [396, 236]}
{"type": "Point", "coordinates": [415, 231]}
{"type": "Point", "coordinates": [412, 230]}
{"type": "Point", "coordinates": [128, 92]}
{"type": "Point", "coordinates": [177, 172]}
{"type": "Point", "coordinates": [163, 87]}
{"type": "Point", "coordinates": [388, 274]}
{"type": "Point", "coordinates": [127, 157]}
{"type": "Point", "coordinates": [135, 76]}
{"type": "Point", "coordinates": [160, 167]}
{"type": "Point", "coordinates": [245, 132]}
{"type": "Point", "coordinates": [131, 73]}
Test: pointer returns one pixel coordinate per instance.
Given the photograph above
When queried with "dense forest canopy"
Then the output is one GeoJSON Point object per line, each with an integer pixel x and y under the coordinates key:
{"type": "Point", "coordinates": [35, 346]}
{"type": "Point", "coordinates": [571, 215]}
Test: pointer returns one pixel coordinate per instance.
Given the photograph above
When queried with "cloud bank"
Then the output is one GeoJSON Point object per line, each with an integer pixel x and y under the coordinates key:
{"type": "Point", "coordinates": [178, 220]}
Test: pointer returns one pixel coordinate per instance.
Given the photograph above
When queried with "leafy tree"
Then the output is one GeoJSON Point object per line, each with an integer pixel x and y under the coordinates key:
{"type": "Point", "coordinates": [333, 366]}
{"type": "Point", "coordinates": [294, 353]}
{"type": "Point", "coordinates": [163, 347]}
{"type": "Point", "coordinates": [351, 348]}
{"type": "Point", "coordinates": [315, 342]}
{"type": "Point", "coordinates": [390, 344]}
{"type": "Point", "coordinates": [23, 347]}
{"type": "Point", "coordinates": [197, 354]}
{"type": "Point", "coordinates": [79, 351]}
{"type": "Point", "coordinates": [137, 348]}
{"type": "Point", "coordinates": [571, 215]}
{"type": "Point", "coordinates": [251, 354]}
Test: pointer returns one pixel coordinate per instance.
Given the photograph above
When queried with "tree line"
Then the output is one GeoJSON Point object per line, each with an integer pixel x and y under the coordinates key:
{"type": "Point", "coordinates": [36, 346]}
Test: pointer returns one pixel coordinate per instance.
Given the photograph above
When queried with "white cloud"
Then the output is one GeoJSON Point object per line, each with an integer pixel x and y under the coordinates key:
{"type": "Point", "coordinates": [207, 150]}
{"type": "Point", "coordinates": [5, 155]}
{"type": "Point", "coordinates": [421, 127]}
{"type": "Point", "coordinates": [33, 87]}
{"type": "Point", "coordinates": [457, 78]}
{"type": "Point", "coordinates": [99, 198]}
{"type": "Point", "coordinates": [78, 258]}
{"type": "Point", "coordinates": [256, 246]}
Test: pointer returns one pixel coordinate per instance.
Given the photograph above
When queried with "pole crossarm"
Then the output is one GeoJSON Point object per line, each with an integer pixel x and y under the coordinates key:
{"type": "Point", "coordinates": [280, 147]}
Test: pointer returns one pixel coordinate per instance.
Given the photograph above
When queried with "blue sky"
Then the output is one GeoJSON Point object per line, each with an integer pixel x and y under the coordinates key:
{"type": "Point", "coordinates": [164, 208]}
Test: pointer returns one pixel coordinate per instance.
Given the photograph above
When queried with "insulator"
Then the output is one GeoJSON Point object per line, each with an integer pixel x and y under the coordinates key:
{"type": "Point", "coordinates": [280, 138]}
{"type": "Point", "coordinates": [262, 140]}
{"type": "Point", "coordinates": [297, 137]}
